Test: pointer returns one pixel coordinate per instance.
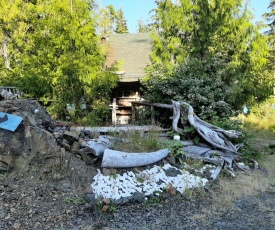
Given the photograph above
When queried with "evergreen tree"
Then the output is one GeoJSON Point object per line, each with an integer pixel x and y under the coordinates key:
{"type": "Point", "coordinates": [270, 17]}
{"type": "Point", "coordinates": [121, 23]}
{"type": "Point", "coordinates": [53, 51]}
{"type": "Point", "coordinates": [107, 20]}
{"type": "Point", "coordinates": [217, 34]}
{"type": "Point", "coordinates": [143, 28]}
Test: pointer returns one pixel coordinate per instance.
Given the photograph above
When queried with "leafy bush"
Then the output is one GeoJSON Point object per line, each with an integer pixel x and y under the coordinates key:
{"type": "Point", "coordinates": [197, 82]}
{"type": "Point", "coordinates": [99, 114]}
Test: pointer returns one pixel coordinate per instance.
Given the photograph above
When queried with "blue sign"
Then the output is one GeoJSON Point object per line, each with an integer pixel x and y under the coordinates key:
{"type": "Point", "coordinates": [9, 122]}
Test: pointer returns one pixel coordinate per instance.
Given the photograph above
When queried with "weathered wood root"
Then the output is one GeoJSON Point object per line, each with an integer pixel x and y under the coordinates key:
{"type": "Point", "coordinates": [217, 137]}
{"type": "Point", "coordinates": [212, 134]}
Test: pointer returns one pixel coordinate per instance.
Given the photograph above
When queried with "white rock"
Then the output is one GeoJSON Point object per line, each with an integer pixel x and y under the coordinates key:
{"type": "Point", "coordinates": [127, 184]}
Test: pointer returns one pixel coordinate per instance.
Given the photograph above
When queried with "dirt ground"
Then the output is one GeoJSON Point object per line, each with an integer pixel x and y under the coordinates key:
{"type": "Point", "coordinates": [245, 202]}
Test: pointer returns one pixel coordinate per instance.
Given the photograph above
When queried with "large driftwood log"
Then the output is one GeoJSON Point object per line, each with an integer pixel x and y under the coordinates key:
{"type": "Point", "coordinates": [210, 133]}
{"type": "Point", "coordinates": [96, 147]}
{"type": "Point", "coordinates": [217, 137]}
{"type": "Point", "coordinates": [118, 159]}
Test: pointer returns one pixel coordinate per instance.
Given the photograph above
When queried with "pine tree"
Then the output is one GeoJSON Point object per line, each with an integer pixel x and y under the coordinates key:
{"type": "Point", "coordinates": [143, 28]}
{"type": "Point", "coordinates": [54, 52]}
{"type": "Point", "coordinates": [270, 17]}
{"type": "Point", "coordinates": [218, 30]}
{"type": "Point", "coordinates": [107, 20]}
{"type": "Point", "coordinates": [121, 23]}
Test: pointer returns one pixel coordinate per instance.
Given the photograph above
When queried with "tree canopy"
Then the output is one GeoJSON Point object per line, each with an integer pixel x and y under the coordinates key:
{"type": "Point", "coordinates": [219, 36]}
{"type": "Point", "coordinates": [121, 23]}
{"type": "Point", "coordinates": [143, 28]}
{"type": "Point", "coordinates": [111, 21]}
{"type": "Point", "coordinates": [208, 53]}
{"type": "Point", "coordinates": [51, 49]}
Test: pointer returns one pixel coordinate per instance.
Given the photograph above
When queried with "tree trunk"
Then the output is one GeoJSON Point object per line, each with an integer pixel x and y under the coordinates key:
{"type": "Point", "coordinates": [6, 52]}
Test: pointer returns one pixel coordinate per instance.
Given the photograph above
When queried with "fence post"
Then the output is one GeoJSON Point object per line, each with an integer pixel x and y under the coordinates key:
{"type": "Point", "coordinates": [153, 120]}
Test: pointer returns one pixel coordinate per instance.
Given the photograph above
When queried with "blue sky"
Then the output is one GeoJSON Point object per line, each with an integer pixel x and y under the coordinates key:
{"type": "Point", "coordinates": [139, 9]}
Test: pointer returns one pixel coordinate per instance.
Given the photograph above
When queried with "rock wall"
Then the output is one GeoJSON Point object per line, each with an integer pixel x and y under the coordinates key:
{"type": "Point", "coordinates": [31, 140]}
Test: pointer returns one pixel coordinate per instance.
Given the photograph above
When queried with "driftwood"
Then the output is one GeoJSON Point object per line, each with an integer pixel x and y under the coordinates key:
{"type": "Point", "coordinates": [210, 133]}
{"type": "Point", "coordinates": [223, 153]}
{"type": "Point", "coordinates": [118, 159]}
{"type": "Point", "coordinates": [226, 155]}
{"type": "Point", "coordinates": [96, 147]}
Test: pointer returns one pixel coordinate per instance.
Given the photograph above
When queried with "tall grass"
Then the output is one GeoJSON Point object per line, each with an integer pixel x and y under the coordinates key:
{"type": "Point", "coordinates": [261, 116]}
{"type": "Point", "coordinates": [139, 141]}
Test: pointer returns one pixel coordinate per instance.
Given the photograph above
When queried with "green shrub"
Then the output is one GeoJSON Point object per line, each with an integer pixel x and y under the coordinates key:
{"type": "Point", "coordinates": [98, 116]}
{"type": "Point", "coordinates": [197, 82]}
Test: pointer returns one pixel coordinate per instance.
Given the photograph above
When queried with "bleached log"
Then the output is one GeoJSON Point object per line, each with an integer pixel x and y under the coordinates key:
{"type": "Point", "coordinates": [119, 159]}
{"type": "Point", "coordinates": [97, 147]}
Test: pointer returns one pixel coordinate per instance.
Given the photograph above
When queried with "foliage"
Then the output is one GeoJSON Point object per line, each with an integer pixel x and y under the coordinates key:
{"type": "Point", "coordinates": [247, 151]}
{"type": "Point", "coordinates": [107, 20]}
{"type": "Point", "coordinates": [199, 83]}
{"type": "Point", "coordinates": [75, 200]}
{"type": "Point", "coordinates": [111, 21]}
{"type": "Point", "coordinates": [261, 116]}
{"type": "Point", "coordinates": [54, 53]}
{"type": "Point", "coordinates": [270, 17]}
{"type": "Point", "coordinates": [214, 50]}
{"type": "Point", "coordinates": [174, 147]}
{"type": "Point", "coordinates": [227, 124]}
{"type": "Point", "coordinates": [143, 28]}
{"type": "Point", "coordinates": [100, 114]}
{"type": "Point", "coordinates": [143, 116]}
{"type": "Point", "coordinates": [121, 23]}
{"type": "Point", "coordinates": [138, 141]}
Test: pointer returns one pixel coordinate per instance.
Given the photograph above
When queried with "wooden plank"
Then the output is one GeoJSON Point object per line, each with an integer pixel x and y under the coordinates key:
{"type": "Point", "coordinates": [145, 128]}
{"type": "Point", "coordinates": [165, 106]}
{"type": "Point", "coordinates": [124, 112]}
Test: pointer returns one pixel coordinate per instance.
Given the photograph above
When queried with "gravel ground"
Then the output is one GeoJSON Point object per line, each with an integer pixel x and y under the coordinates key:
{"type": "Point", "coordinates": [31, 204]}
{"type": "Point", "coordinates": [249, 212]}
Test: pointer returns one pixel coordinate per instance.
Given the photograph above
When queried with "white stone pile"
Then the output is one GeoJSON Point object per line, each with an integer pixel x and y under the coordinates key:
{"type": "Point", "coordinates": [147, 181]}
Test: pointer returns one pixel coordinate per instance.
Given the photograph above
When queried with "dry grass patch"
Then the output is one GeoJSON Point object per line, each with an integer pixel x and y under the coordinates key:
{"type": "Point", "coordinates": [245, 183]}
{"type": "Point", "coordinates": [227, 190]}
{"type": "Point", "coordinates": [261, 116]}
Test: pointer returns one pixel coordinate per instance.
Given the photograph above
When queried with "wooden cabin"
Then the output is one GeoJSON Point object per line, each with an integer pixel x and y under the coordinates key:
{"type": "Point", "coordinates": [132, 52]}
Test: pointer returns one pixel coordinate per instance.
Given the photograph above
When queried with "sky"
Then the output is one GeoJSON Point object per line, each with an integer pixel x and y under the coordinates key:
{"type": "Point", "coordinates": [135, 10]}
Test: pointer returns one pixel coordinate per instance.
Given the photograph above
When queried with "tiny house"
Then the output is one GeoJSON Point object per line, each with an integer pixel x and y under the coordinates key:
{"type": "Point", "coordinates": [132, 52]}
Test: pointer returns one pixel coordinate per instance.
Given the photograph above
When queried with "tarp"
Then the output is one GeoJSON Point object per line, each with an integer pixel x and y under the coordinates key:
{"type": "Point", "coordinates": [9, 122]}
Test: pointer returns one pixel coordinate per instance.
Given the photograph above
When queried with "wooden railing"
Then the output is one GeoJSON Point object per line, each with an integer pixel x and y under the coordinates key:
{"type": "Point", "coordinates": [152, 105]}
{"type": "Point", "coordinates": [12, 89]}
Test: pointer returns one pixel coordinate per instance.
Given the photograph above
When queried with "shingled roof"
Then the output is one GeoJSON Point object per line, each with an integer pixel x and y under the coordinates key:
{"type": "Point", "coordinates": [132, 50]}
